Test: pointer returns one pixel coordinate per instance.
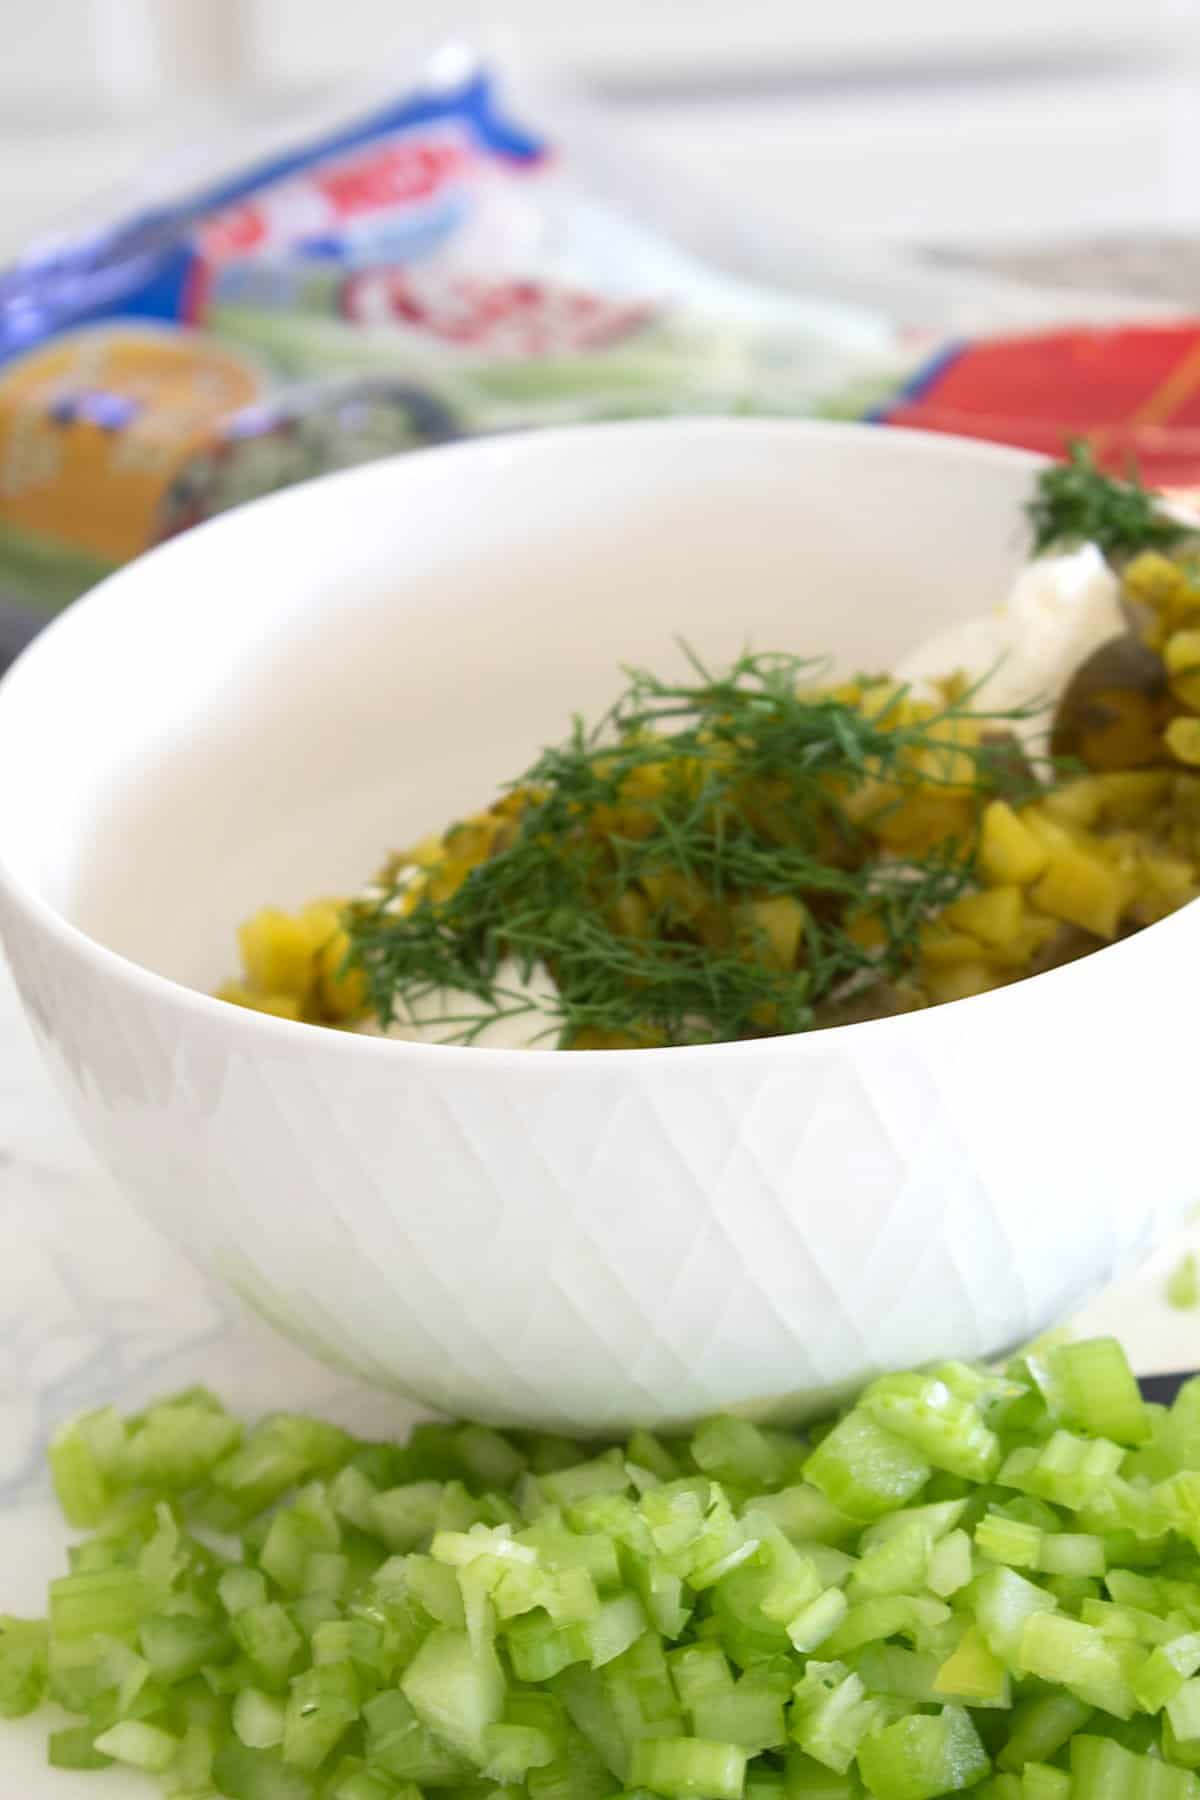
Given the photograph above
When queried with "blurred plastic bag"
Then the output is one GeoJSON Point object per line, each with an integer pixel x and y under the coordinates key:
{"type": "Point", "coordinates": [424, 269]}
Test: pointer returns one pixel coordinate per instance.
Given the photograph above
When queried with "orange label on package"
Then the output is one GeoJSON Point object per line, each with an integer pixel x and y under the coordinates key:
{"type": "Point", "coordinates": [95, 425]}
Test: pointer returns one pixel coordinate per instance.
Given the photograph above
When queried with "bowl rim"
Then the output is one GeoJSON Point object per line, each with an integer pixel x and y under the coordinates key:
{"type": "Point", "coordinates": [268, 1029]}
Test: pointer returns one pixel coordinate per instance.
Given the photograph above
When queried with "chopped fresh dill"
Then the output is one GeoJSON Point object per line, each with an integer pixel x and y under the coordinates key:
{"type": "Point", "coordinates": [1076, 503]}
{"type": "Point", "coordinates": [640, 859]}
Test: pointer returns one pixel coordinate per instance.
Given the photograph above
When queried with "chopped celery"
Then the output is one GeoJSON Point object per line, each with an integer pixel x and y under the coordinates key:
{"type": "Point", "coordinates": [967, 1566]}
{"type": "Point", "coordinates": [923, 1756]}
{"type": "Point", "coordinates": [817, 1621]}
{"type": "Point", "coordinates": [24, 1646]}
{"type": "Point", "coordinates": [734, 1450]}
{"type": "Point", "coordinates": [865, 1470]}
{"type": "Point", "coordinates": [1097, 1669]}
{"type": "Point", "coordinates": [257, 1719]}
{"type": "Point", "coordinates": [973, 1675]}
{"type": "Point", "coordinates": [1183, 1284]}
{"type": "Point", "coordinates": [948, 1432]}
{"type": "Point", "coordinates": [1102, 1769]}
{"type": "Point", "coordinates": [1099, 1392]}
{"type": "Point", "coordinates": [950, 1565]}
{"type": "Point", "coordinates": [456, 1690]}
{"type": "Point", "coordinates": [1010, 1541]}
{"type": "Point", "coordinates": [243, 1774]}
{"type": "Point", "coordinates": [139, 1745]}
{"type": "Point", "coordinates": [1041, 1725]}
{"type": "Point", "coordinates": [681, 1768]}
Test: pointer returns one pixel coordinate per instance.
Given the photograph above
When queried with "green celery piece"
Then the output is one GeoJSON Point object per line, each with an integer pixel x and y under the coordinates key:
{"type": "Point", "coordinates": [487, 1457]}
{"type": "Point", "coordinates": [817, 1622]}
{"type": "Point", "coordinates": [405, 1517]}
{"type": "Point", "coordinates": [1002, 1602]}
{"type": "Point", "coordinates": [890, 1615]}
{"type": "Point", "coordinates": [1041, 1725]}
{"type": "Point", "coordinates": [589, 1702]}
{"type": "Point", "coordinates": [734, 1450]}
{"type": "Point", "coordinates": [1165, 1670]}
{"type": "Point", "coordinates": [1125, 1622]}
{"type": "Point", "coordinates": [948, 1432]}
{"type": "Point", "coordinates": [806, 1779]}
{"type": "Point", "coordinates": [270, 1640]}
{"type": "Point", "coordinates": [1071, 1553]}
{"type": "Point", "coordinates": [755, 1600]}
{"type": "Point", "coordinates": [831, 1714]}
{"type": "Point", "coordinates": [763, 1783]}
{"type": "Point", "coordinates": [322, 1705]}
{"type": "Point", "coordinates": [923, 1757]}
{"type": "Point", "coordinates": [177, 1645]}
{"type": "Point", "coordinates": [87, 1464]}
{"type": "Point", "coordinates": [699, 1671]}
{"type": "Point", "coordinates": [1067, 1470]}
{"type": "Point", "coordinates": [257, 1719]}
{"type": "Point", "coordinates": [661, 1592]}
{"type": "Point", "coordinates": [74, 1747]}
{"type": "Point", "coordinates": [539, 1649]}
{"type": "Point", "coordinates": [112, 1601]}
{"type": "Point", "coordinates": [291, 1540]}
{"type": "Point", "coordinates": [240, 1588]}
{"type": "Point", "coordinates": [1099, 1392]}
{"type": "Point", "coordinates": [456, 1689]}
{"type": "Point", "coordinates": [894, 1564]}
{"type": "Point", "coordinates": [399, 1745]}
{"type": "Point", "coordinates": [436, 1588]}
{"type": "Point", "coordinates": [649, 1452]}
{"type": "Point", "coordinates": [806, 1516]}
{"type": "Point", "coordinates": [138, 1745]}
{"type": "Point", "coordinates": [459, 1509]}
{"type": "Point", "coordinates": [901, 1674]}
{"type": "Point", "coordinates": [1009, 1541]}
{"type": "Point", "coordinates": [350, 1494]}
{"type": "Point", "coordinates": [24, 1646]}
{"type": "Point", "coordinates": [1097, 1669]}
{"type": "Point", "coordinates": [1104, 1770]}
{"type": "Point", "coordinates": [1183, 1711]}
{"type": "Point", "coordinates": [619, 1623]}
{"type": "Point", "coordinates": [1183, 1284]}
{"type": "Point", "coordinates": [512, 1750]}
{"type": "Point", "coordinates": [865, 1470]}
{"type": "Point", "coordinates": [191, 1772]}
{"type": "Point", "coordinates": [559, 1548]}
{"type": "Point", "coordinates": [1040, 1781]}
{"type": "Point", "coordinates": [352, 1780]}
{"type": "Point", "coordinates": [973, 1675]}
{"type": "Point", "coordinates": [334, 1641]}
{"type": "Point", "coordinates": [243, 1774]}
{"type": "Point", "coordinates": [278, 1454]}
{"type": "Point", "coordinates": [682, 1768]}
{"type": "Point", "coordinates": [179, 1444]}
{"type": "Point", "coordinates": [578, 1774]}
{"type": "Point", "coordinates": [936, 1518]}
{"type": "Point", "coordinates": [326, 1572]}
{"type": "Point", "coordinates": [951, 1565]}
{"type": "Point", "coordinates": [604, 1475]}
{"type": "Point", "coordinates": [751, 1715]}
{"type": "Point", "coordinates": [1178, 1436]}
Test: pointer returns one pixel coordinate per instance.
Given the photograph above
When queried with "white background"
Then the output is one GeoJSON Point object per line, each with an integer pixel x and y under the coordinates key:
{"type": "Point", "coordinates": [918, 120]}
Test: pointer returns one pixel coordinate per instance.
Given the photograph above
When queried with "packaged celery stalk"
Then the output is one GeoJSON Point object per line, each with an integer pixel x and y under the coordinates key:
{"type": "Point", "coordinates": [425, 269]}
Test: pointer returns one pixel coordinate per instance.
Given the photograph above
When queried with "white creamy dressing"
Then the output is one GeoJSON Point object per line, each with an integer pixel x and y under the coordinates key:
{"type": "Point", "coordinates": [1022, 653]}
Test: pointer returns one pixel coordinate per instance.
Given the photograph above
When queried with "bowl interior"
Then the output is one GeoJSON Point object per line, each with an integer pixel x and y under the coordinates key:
{"type": "Point", "coordinates": [259, 710]}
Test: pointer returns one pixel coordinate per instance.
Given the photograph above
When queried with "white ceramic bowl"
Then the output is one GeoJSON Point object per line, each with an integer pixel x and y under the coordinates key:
{"type": "Point", "coordinates": [257, 710]}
